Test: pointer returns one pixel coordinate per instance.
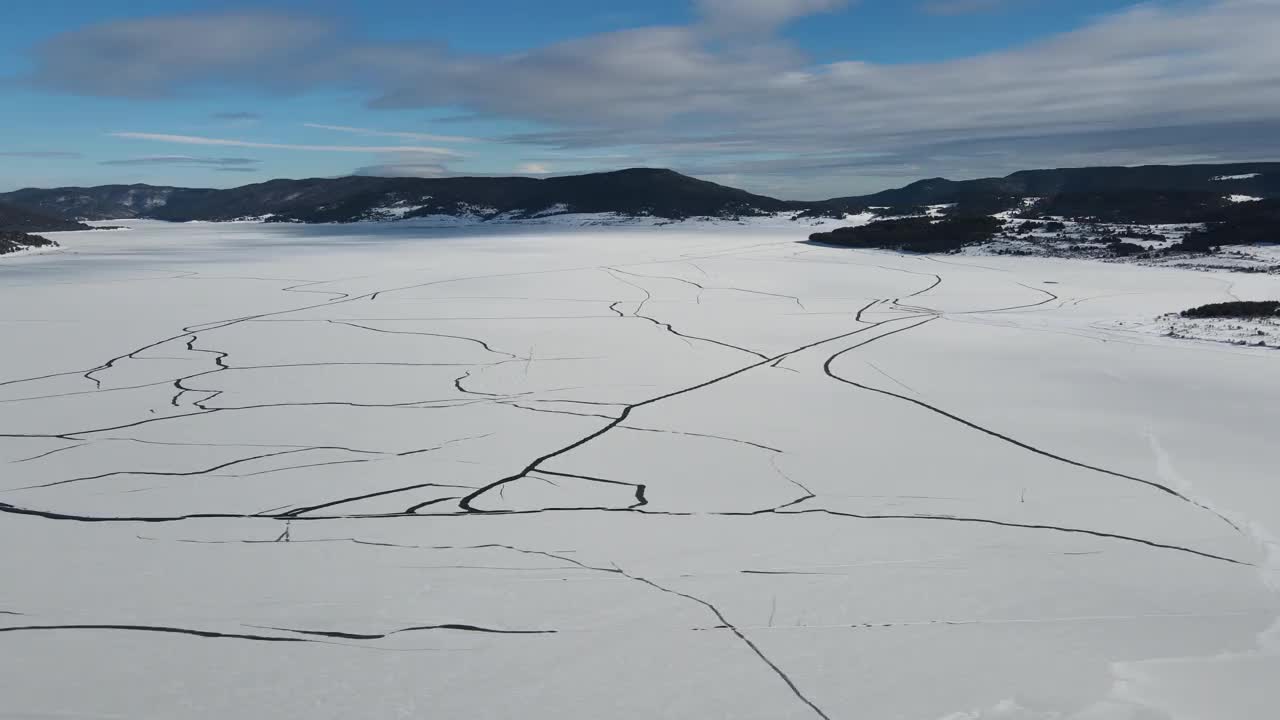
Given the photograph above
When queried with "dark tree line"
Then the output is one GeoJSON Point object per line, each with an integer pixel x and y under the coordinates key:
{"type": "Point", "coordinates": [15, 241]}
{"type": "Point", "coordinates": [1241, 309]}
{"type": "Point", "coordinates": [917, 234]}
{"type": "Point", "coordinates": [1244, 224]}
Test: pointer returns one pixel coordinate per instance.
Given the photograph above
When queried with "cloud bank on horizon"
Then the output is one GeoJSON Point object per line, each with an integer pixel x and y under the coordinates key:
{"type": "Point", "coordinates": [730, 94]}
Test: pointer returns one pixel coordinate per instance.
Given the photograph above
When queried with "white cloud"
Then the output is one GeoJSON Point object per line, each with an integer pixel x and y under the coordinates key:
{"type": "Point", "coordinates": [693, 95]}
{"type": "Point", "coordinates": [198, 140]}
{"type": "Point", "coordinates": [153, 57]}
{"type": "Point", "coordinates": [533, 168]}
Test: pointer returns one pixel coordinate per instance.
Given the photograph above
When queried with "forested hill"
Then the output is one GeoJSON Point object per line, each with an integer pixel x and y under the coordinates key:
{"type": "Point", "coordinates": [639, 192]}
{"type": "Point", "coordinates": [1259, 179]}
{"type": "Point", "coordinates": [23, 220]}
{"type": "Point", "coordinates": [1150, 194]}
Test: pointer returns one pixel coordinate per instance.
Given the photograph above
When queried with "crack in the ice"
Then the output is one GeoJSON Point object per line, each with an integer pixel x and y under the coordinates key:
{"type": "Point", "coordinates": [795, 690]}
{"type": "Point", "coordinates": [380, 493]}
{"type": "Point", "coordinates": [557, 412]}
{"type": "Point", "coordinates": [51, 452]}
{"type": "Point", "coordinates": [768, 512]}
{"type": "Point", "coordinates": [1025, 526]}
{"type": "Point", "coordinates": [702, 287]}
{"type": "Point", "coordinates": [445, 444]}
{"type": "Point", "coordinates": [477, 341]}
{"type": "Point", "coordinates": [154, 473]}
{"type": "Point", "coordinates": [639, 488]}
{"type": "Point", "coordinates": [295, 467]}
{"type": "Point", "coordinates": [413, 510]}
{"type": "Point", "coordinates": [460, 627]}
{"type": "Point", "coordinates": [340, 295]}
{"type": "Point", "coordinates": [699, 435]}
{"type": "Point", "coordinates": [84, 392]}
{"type": "Point", "coordinates": [827, 368]}
{"type": "Point", "coordinates": [667, 326]}
{"type": "Point", "coordinates": [154, 629]}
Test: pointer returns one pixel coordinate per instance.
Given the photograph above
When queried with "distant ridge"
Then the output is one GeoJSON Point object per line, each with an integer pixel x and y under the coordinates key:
{"type": "Point", "coordinates": [1155, 193]}
{"type": "Point", "coordinates": [637, 192]}
{"type": "Point", "coordinates": [17, 219]}
{"type": "Point", "coordinates": [1259, 179]}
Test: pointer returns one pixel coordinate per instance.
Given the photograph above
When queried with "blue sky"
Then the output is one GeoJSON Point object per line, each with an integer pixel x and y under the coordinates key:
{"type": "Point", "coordinates": [798, 98]}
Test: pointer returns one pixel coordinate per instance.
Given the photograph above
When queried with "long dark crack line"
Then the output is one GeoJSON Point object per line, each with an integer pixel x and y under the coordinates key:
{"type": "Point", "coordinates": [476, 341]}
{"type": "Point", "coordinates": [724, 622]}
{"type": "Point", "coordinates": [154, 629]}
{"type": "Point", "coordinates": [1025, 526]}
{"type": "Point", "coordinates": [639, 488]}
{"type": "Point", "coordinates": [558, 412]}
{"type": "Point", "coordinates": [331, 634]}
{"type": "Point", "coordinates": [768, 512]}
{"type": "Point", "coordinates": [153, 473]}
{"type": "Point", "coordinates": [459, 627]}
{"type": "Point", "coordinates": [699, 435]}
{"type": "Point", "coordinates": [827, 368]}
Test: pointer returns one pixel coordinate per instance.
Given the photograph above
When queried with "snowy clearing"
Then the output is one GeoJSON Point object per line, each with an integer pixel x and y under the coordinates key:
{"type": "Point", "coordinates": [692, 471]}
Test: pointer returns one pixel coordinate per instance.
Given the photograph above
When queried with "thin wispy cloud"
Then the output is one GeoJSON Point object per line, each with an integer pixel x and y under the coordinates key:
{"type": "Point", "coordinates": [760, 15]}
{"type": "Point", "coordinates": [405, 169]}
{"type": "Point", "coordinates": [224, 142]}
{"type": "Point", "coordinates": [368, 132]}
{"type": "Point", "coordinates": [965, 7]}
{"type": "Point", "coordinates": [45, 154]}
{"type": "Point", "coordinates": [184, 160]}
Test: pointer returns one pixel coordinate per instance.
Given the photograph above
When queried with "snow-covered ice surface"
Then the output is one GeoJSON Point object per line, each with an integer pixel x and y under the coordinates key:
{"type": "Point", "coordinates": [688, 472]}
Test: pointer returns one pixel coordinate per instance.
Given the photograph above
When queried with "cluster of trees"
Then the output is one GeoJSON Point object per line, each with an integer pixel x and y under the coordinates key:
{"type": "Point", "coordinates": [917, 234]}
{"type": "Point", "coordinates": [24, 220]}
{"type": "Point", "coordinates": [1244, 224]}
{"type": "Point", "coordinates": [1125, 249]}
{"type": "Point", "coordinates": [15, 241]}
{"type": "Point", "coordinates": [1143, 207]}
{"type": "Point", "coordinates": [1240, 309]}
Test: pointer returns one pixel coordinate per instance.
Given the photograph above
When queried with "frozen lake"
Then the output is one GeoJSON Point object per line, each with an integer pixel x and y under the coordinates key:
{"type": "Point", "coordinates": [376, 472]}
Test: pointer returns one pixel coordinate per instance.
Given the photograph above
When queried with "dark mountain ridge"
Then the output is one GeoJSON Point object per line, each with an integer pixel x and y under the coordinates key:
{"type": "Point", "coordinates": [638, 192]}
{"type": "Point", "coordinates": [1149, 194]}
{"type": "Point", "coordinates": [1257, 179]}
{"type": "Point", "coordinates": [23, 220]}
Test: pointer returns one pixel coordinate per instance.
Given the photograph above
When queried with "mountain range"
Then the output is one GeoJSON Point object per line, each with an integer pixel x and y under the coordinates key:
{"type": "Point", "coordinates": [1181, 193]}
